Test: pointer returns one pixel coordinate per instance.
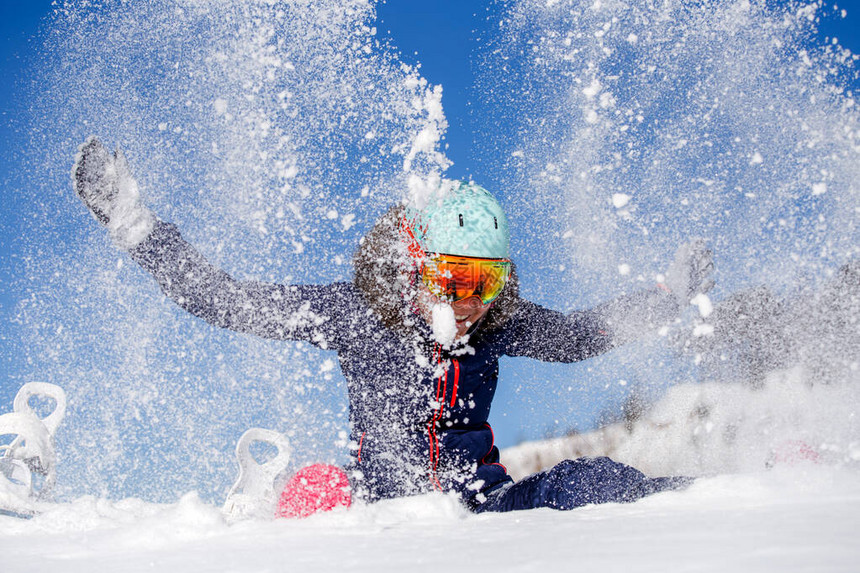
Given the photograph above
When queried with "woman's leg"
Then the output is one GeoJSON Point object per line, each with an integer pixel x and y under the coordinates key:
{"type": "Point", "coordinates": [574, 483]}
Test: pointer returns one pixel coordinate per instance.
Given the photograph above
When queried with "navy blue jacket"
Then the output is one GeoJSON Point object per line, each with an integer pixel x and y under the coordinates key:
{"type": "Point", "coordinates": [418, 411]}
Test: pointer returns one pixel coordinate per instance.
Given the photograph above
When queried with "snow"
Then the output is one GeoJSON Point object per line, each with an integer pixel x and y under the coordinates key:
{"type": "Point", "coordinates": [798, 518]}
{"type": "Point", "coordinates": [593, 89]}
{"type": "Point", "coordinates": [703, 329]}
{"type": "Point", "coordinates": [723, 140]}
{"type": "Point", "coordinates": [708, 429]}
{"type": "Point", "coordinates": [620, 200]}
{"type": "Point", "coordinates": [704, 304]}
{"type": "Point", "coordinates": [799, 515]}
{"type": "Point", "coordinates": [267, 110]}
{"type": "Point", "coordinates": [443, 323]}
{"type": "Point", "coordinates": [271, 175]}
{"type": "Point", "coordinates": [220, 106]}
{"type": "Point", "coordinates": [425, 143]}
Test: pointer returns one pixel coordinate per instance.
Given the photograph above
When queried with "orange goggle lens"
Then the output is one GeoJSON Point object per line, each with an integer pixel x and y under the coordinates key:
{"type": "Point", "coordinates": [456, 278]}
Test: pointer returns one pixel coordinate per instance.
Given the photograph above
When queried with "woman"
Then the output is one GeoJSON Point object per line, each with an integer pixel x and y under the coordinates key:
{"type": "Point", "coordinates": [418, 332]}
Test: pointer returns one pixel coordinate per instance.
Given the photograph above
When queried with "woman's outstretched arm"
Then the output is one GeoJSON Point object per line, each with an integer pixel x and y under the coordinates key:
{"type": "Point", "coordinates": [544, 334]}
{"type": "Point", "coordinates": [290, 312]}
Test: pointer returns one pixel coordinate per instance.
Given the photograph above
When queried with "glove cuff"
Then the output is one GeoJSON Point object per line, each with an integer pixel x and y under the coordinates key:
{"type": "Point", "coordinates": [131, 227]}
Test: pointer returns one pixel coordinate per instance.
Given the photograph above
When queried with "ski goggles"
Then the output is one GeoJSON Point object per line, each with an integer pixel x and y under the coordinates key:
{"type": "Point", "coordinates": [456, 278]}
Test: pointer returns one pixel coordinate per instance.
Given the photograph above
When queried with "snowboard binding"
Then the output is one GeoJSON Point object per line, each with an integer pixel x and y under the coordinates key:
{"type": "Point", "coordinates": [253, 494]}
{"type": "Point", "coordinates": [259, 492]}
{"type": "Point", "coordinates": [28, 459]}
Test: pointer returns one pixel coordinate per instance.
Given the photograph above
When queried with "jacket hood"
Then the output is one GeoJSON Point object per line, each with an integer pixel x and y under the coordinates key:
{"type": "Point", "coordinates": [386, 277]}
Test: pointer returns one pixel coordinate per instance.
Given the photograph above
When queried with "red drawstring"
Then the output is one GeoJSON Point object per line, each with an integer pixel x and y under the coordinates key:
{"type": "Point", "coordinates": [441, 392]}
{"type": "Point", "coordinates": [456, 382]}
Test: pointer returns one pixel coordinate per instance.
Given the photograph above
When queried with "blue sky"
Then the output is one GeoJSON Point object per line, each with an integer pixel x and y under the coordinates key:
{"type": "Point", "coordinates": [440, 35]}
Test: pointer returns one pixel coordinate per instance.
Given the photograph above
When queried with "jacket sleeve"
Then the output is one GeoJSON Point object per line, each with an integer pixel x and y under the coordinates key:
{"type": "Point", "coordinates": [286, 312]}
{"type": "Point", "coordinates": [544, 334]}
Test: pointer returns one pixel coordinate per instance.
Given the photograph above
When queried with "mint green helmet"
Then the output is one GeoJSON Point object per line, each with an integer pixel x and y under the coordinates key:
{"type": "Point", "coordinates": [467, 221]}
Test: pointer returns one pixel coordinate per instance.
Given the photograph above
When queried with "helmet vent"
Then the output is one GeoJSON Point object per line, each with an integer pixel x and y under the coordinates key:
{"type": "Point", "coordinates": [461, 220]}
{"type": "Point", "coordinates": [496, 222]}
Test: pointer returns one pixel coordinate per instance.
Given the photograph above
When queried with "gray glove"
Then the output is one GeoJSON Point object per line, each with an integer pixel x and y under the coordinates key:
{"type": "Point", "coordinates": [691, 273]}
{"type": "Point", "coordinates": [104, 182]}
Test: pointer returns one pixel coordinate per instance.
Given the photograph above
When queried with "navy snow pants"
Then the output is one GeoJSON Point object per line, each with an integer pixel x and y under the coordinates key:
{"type": "Point", "coordinates": [574, 483]}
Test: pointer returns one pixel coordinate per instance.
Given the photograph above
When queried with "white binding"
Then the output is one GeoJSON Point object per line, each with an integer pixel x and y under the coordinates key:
{"type": "Point", "coordinates": [253, 494]}
{"type": "Point", "coordinates": [31, 449]}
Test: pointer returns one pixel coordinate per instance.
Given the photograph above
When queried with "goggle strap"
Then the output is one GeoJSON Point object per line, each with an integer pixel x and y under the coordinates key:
{"type": "Point", "coordinates": [413, 247]}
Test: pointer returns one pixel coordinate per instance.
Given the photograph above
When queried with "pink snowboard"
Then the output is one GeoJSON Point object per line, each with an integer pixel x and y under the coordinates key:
{"type": "Point", "coordinates": [793, 452]}
{"type": "Point", "coordinates": [320, 487]}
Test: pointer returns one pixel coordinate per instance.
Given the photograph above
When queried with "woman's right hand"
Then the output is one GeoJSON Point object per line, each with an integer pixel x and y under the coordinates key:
{"type": "Point", "coordinates": [104, 183]}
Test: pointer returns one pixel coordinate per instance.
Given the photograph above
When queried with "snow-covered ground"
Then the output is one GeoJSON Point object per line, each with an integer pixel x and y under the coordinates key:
{"type": "Point", "coordinates": [792, 518]}
{"type": "Point", "coordinates": [798, 515]}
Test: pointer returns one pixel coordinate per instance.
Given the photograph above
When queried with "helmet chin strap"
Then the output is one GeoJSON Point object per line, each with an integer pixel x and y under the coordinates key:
{"type": "Point", "coordinates": [478, 322]}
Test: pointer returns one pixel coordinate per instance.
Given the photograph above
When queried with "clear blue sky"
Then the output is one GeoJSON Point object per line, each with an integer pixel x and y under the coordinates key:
{"type": "Point", "coordinates": [440, 35]}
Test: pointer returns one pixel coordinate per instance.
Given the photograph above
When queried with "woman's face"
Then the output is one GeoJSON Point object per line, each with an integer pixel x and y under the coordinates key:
{"type": "Point", "coordinates": [467, 312]}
